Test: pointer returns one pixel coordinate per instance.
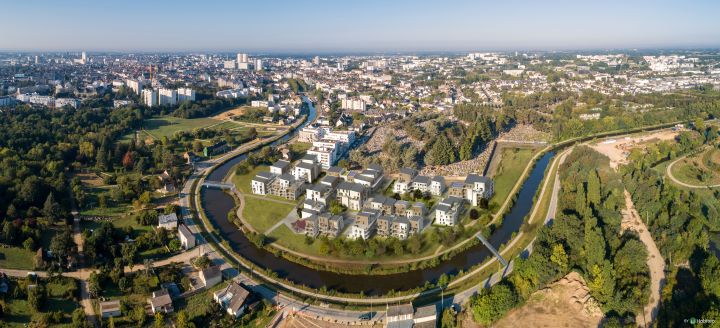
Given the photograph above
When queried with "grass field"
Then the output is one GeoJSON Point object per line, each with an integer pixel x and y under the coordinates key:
{"type": "Point", "coordinates": [512, 164]}
{"type": "Point", "coordinates": [263, 214]}
{"type": "Point", "coordinates": [16, 258]}
{"type": "Point", "coordinates": [17, 312]}
{"type": "Point", "coordinates": [700, 169]}
{"type": "Point", "coordinates": [242, 182]}
{"type": "Point", "coordinates": [120, 222]}
{"type": "Point", "coordinates": [166, 126]}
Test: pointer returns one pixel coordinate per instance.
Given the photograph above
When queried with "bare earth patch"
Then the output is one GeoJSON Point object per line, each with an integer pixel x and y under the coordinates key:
{"type": "Point", "coordinates": [230, 113]}
{"type": "Point", "coordinates": [565, 303]}
{"type": "Point", "coordinates": [618, 149]}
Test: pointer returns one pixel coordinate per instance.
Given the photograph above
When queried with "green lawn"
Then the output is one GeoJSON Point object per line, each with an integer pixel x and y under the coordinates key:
{"type": "Point", "coordinates": [262, 214]}
{"type": "Point", "coordinates": [512, 164]}
{"type": "Point", "coordinates": [17, 312]}
{"type": "Point", "coordinates": [243, 182]}
{"type": "Point", "coordinates": [694, 170]}
{"type": "Point", "coordinates": [16, 258]}
{"type": "Point", "coordinates": [285, 237]}
{"type": "Point", "coordinates": [166, 126]}
{"type": "Point", "coordinates": [111, 209]}
{"type": "Point", "coordinates": [120, 222]}
{"type": "Point", "coordinates": [300, 147]}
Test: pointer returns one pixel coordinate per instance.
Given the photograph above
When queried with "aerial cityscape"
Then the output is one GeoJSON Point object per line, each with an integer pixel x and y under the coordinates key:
{"type": "Point", "coordinates": [317, 164]}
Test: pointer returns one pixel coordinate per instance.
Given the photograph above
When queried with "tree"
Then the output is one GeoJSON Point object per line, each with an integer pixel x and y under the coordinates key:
{"type": "Point", "coordinates": [51, 209]}
{"type": "Point", "coordinates": [441, 152]}
{"type": "Point", "coordinates": [448, 319]}
{"type": "Point", "coordinates": [36, 297]}
{"type": "Point", "coordinates": [709, 273]}
{"type": "Point", "coordinates": [183, 321]}
{"type": "Point", "coordinates": [559, 257]}
{"type": "Point", "coordinates": [61, 245]}
{"type": "Point", "coordinates": [159, 320]}
{"type": "Point", "coordinates": [491, 305]}
{"type": "Point", "coordinates": [78, 318]}
{"type": "Point", "coordinates": [593, 188]}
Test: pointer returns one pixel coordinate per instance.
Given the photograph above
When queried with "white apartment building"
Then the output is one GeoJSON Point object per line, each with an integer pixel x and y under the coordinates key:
{"type": "Point", "coordinates": [477, 187]}
{"type": "Point", "coordinates": [353, 104]}
{"type": "Point", "coordinates": [184, 94]}
{"type": "Point", "coordinates": [167, 97]}
{"type": "Point", "coordinates": [150, 98]}
{"type": "Point", "coordinates": [447, 211]}
{"type": "Point", "coordinates": [135, 85]}
{"type": "Point", "coordinates": [229, 64]}
{"type": "Point", "coordinates": [326, 151]}
{"type": "Point", "coordinates": [242, 58]}
{"type": "Point", "coordinates": [261, 183]}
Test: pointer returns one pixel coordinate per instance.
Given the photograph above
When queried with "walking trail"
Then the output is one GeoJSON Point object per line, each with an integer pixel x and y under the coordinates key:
{"type": "Point", "coordinates": [632, 221]}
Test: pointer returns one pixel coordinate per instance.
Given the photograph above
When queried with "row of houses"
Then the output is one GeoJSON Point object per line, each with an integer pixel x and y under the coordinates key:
{"type": "Point", "coordinates": [284, 181]}
{"type": "Point", "coordinates": [473, 189]}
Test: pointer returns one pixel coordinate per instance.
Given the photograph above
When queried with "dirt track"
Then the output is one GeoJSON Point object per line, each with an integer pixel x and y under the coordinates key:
{"type": "Point", "coordinates": [631, 220]}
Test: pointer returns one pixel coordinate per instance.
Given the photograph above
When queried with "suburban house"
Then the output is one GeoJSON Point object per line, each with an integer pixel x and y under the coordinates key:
{"type": "Point", "coordinates": [351, 195]}
{"type": "Point", "coordinates": [210, 276]}
{"type": "Point", "coordinates": [160, 302]}
{"type": "Point", "coordinates": [187, 238]}
{"type": "Point", "coordinates": [364, 224]}
{"type": "Point", "coordinates": [261, 183]}
{"type": "Point", "coordinates": [110, 309]}
{"type": "Point", "coordinates": [233, 299]}
{"type": "Point", "coordinates": [477, 187]}
{"type": "Point", "coordinates": [168, 221]}
{"type": "Point", "coordinates": [447, 211]}
{"type": "Point", "coordinates": [280, 167]}
{"type": "Point", "coordinates": [437, 185]}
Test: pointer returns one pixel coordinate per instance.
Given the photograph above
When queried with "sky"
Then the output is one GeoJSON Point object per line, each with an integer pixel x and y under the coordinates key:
{"type": "Point", "coordinates": [309, 26]}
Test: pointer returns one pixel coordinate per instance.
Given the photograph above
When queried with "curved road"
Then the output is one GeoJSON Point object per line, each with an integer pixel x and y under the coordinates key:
{"type": "Point", "coordinates": [687, 185]}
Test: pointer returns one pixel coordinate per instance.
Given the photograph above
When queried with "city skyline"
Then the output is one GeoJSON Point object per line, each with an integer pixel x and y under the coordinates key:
{"type": "Point", "coordinates": [327, 27]}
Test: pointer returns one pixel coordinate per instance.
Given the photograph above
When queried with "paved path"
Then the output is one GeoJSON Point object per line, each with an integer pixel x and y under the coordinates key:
{"type": "Point", "coordinates": [687, 185]}
{"type": "Point", "coordinates": [655, 262]}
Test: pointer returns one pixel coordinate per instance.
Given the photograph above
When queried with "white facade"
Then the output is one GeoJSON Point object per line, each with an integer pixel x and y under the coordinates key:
{"type": "Point", "coordinates": [150, 98]}
{"type": "Point", "coordinates": [167, 97]}
{"type": "Point", "coordinates": [184, 94]}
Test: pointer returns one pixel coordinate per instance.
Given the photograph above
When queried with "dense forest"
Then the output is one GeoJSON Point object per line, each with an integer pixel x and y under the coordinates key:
{"type": "Point", "coordinates": [585, 237]}
{"type": "Point", "coordinates": [682, 222]}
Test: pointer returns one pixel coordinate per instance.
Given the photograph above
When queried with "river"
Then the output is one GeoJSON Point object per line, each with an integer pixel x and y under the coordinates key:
{"type": "Point", "coordinates": [217, 204]}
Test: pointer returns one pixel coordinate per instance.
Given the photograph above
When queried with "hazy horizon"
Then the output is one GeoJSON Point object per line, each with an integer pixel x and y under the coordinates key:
{"type": "Point", "coordinates": [357, 27]}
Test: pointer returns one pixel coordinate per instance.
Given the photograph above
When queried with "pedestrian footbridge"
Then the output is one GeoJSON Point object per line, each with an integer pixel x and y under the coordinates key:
{"type": "Point", "coordinates": [492, 249]}
{"type": "Point", "coordinates": [219, 185]}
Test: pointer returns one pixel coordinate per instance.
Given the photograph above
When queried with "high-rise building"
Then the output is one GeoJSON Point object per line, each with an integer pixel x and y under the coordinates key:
{"type": "Point", "coordinates": [258, 64]}
{"type": "Point", "coordinates": [135, 85]}
{"type": "Point", "coordinates": [242, 58]}
{"type": "Point", "coordinates": [229, 64]}
{"type": "Point", "coordinates": [167, 97]}
{"type": "Point", "coordinates": [150, 98]}
{"type": "Point", "coordinates": [83, 59]}
{"type": "Point", "coordinates": [184, 94]}
{"type": "Point", "coordinates": [316, 60]}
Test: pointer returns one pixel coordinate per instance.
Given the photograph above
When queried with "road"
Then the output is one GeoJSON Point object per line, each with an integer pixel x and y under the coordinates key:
{"type": "Point", "coordinates": [687, 185]}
